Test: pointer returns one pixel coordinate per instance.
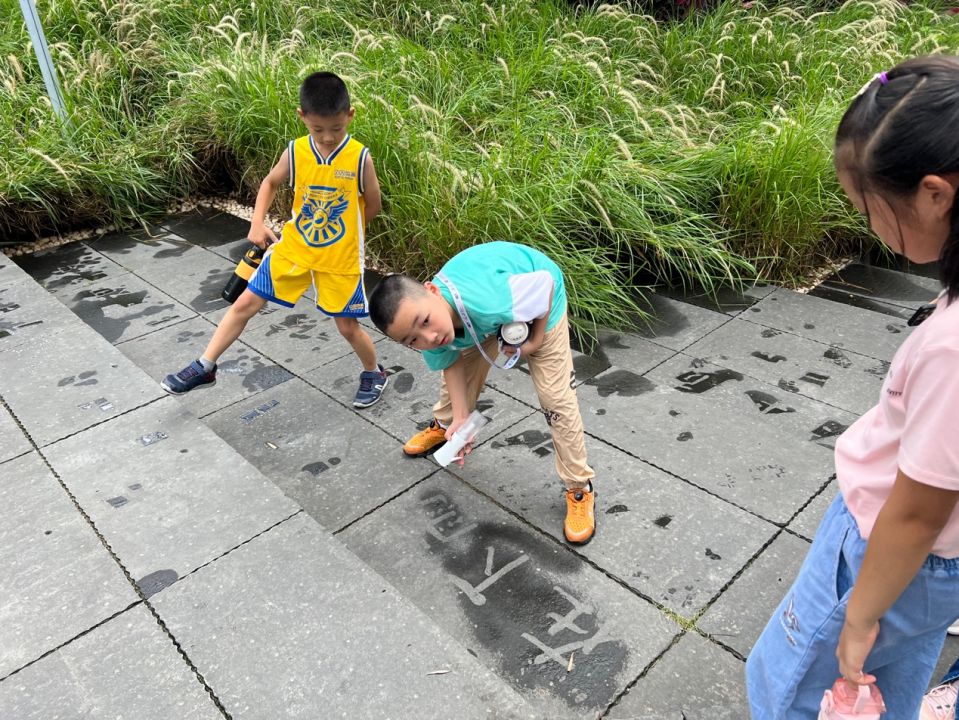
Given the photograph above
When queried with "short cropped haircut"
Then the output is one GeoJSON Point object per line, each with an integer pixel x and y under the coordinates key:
{"type": "Point", "coordinates": [386, 298]}
{"type": "Point", "coordinates": [324, 94]}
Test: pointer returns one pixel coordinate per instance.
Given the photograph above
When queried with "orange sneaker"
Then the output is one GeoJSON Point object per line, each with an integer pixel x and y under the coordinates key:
{"type": "Point", "coordinates": [426, 442]}
{"type": "Point", "coordinates": [580, 523]}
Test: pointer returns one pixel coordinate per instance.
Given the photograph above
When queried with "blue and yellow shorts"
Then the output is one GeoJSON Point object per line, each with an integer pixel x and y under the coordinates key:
{"type": "Point", "coordinates": [281, 281]}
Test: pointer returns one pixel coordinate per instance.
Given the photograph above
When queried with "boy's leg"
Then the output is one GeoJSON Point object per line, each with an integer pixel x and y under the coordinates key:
{"type": "Point", "coordinates": [202, 371]}
{"type": "Point", "coordinates": [233, 323]}
{"type": "Point", "coordinates": [433, 437]}
{"type": "Point", "coordinates": [373, 379]}
{"type": "Point", "coordinates": [551, 368]}
{"type": "Point", "coordinates": [359, 340]}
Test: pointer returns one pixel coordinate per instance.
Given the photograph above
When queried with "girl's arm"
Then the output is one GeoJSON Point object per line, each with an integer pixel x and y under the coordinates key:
{"type": "Point", "coordinates": [904, 533]}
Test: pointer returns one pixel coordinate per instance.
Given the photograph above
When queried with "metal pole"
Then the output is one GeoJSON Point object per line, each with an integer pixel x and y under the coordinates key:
{"type": "Point", "coordinates": [29, 10]}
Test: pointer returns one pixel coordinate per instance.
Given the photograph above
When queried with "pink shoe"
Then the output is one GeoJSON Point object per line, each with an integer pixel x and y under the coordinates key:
{"type": "Point", "coordinates": [844, 703]}
{"type": "Point", "coordinates": [939, 703]}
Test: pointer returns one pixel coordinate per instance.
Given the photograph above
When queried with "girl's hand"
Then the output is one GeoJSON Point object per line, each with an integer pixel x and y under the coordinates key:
{"type": "Point", "coordinates": [854, 647]}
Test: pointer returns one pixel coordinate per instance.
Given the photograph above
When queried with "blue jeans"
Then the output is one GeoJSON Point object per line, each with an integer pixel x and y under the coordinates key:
{"type": "Point", "coordinates": [794, 660]}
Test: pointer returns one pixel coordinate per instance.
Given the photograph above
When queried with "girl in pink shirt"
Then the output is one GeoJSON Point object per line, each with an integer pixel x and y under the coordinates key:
{"type": "Point", "coordinates": [880, 585]}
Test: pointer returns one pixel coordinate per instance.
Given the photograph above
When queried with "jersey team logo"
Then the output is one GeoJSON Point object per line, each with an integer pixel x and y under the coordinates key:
{"type": "Point", "coordinates": [320, 221]}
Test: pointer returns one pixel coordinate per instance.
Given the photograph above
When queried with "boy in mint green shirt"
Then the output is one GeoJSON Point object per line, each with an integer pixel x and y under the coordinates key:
{"type": "Point", "coordinates": [476, 292]}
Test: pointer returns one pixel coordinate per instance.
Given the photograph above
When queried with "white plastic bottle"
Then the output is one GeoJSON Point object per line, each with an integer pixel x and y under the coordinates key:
{"type": "Point", "coordinates": [466, 432]}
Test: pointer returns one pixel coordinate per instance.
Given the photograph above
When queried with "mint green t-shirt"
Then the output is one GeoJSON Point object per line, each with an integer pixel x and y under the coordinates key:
{"type": "Point", "coordinates": [499, 282]}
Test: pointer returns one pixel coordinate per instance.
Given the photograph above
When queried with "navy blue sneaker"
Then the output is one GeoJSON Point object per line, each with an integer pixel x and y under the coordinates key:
{"type": "Point", "coordinates": [189, 378]}
{"type": "Point", "coordinates": [372, 384]}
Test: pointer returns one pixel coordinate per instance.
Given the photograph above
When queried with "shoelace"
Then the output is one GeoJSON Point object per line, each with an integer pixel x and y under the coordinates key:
{"type": "Point", "coordinates": [187, 372]}
{"type": "Point", "coordinates": [366, 384]}
{"type": "Point", "coordinates": [944, 710]}
{"type": "Point", "coordinates": [579, 506]}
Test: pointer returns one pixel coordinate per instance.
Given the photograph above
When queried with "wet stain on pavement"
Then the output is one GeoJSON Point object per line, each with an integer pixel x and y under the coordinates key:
{"type": "Point", "coordinates": [156, 581]}
{"type": "Point", "coordinates": [768, 358]}
{"type": "Point", "coordinates": [768, 404]}
{"type": "Point", "coordinates": [617, 509]}
{"type": "Point", "coordinates": [522, 613]}
{"type": "Point", "coordinates": [769, 333]}
{"type": "Point", "coordinates": [697, 382]}
{"type": "Point", "coordinates": [838, 357]}
{"type": "Point", "coordinates": [828, 429]}
{"type": "Point", "coordinates": [663, 521]}
{"type": "Point", "coordinates": [403, 383]}
{"type": "Point", "coordinates": [89, 306]}
{"type": "Point", "coordinates": [622, 383]}
{"type": "Point", "coordinates": [684, 436]}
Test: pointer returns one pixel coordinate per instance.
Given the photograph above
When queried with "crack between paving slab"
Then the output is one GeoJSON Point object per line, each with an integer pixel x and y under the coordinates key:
{"type": "Point", "coordinates": [78, 432]}
{"type": "Point", "coordinates": [62, 645]}
{"type": "Point", "coordinates": [116, 559]}
{"type": "Point", "coordinates": [386, 502]}
{"type": "Point", "coordinates": [643, 674]}
{"type": "Point", "coordinates": [688, 482]}
{"type": "Point", "coordinates": [818, 342]}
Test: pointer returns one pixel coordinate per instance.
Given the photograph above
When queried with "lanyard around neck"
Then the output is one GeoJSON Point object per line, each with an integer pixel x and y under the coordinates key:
{"type": "Point", "coordinates": [464, 316]}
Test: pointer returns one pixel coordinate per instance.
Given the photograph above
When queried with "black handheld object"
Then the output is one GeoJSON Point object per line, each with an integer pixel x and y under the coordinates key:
{"type": "Point", "coordinates": [241, 276]}
{"type": "Point", "coordinates": [921, 314]}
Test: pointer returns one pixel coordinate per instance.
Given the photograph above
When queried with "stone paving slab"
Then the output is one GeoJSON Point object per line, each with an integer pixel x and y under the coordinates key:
{"type": "Point", "coordinates": [70, 381]}
{"type": "Point", "coordinates": [58, 579]}
{"type": "Point", "coordinates": [127, 668]}
{"type": "Point", "coordinates": [13, 442]}
{"type": "Point", "coordinates": [904, 290]}
{"type": "Point", "coordinates": [28, 312]}
{"type": "Point", "coordinates": [334, 464]}
{"type": "Point", "coordinates": [125, 307]}
{"type": "Point", "coordinates": [761, 468]}
{"type": "Point", "coordinates": [66, 269]}
{"type": "Point", "coordinates": [302, 338]}
{"type": "Point", "coordinates": [860, 301]}
{"type": "Point", "coordinates": [837, 376]}
{"type": "Point", "coordinates": [841, 326]}
{"type": "Point", "coordinates": [725, 300]}
{"type": "Point", "coordinates": [738, 617]}
{"type": "Point", "coordinates": [807, 522]}
{"type": "Point", "coordinates": [191, 275]}
{"type": "Point", "coordinates": [356, 648]}
{"type": "Point", "coordinates": [208, 227]}
{"type": "Point", "coordinates": [806, 419]}
{"type": "Point", "coordinates": [406, 405]}
{"type": "Point", "coordinates": [695, 680]}
{"type": "Point", "coordinates": [522, 604]}
{"type": "Point", "coordinates": [242, 372]}
{"type": "Point", "coordinates": [165, 492]}
{"type": "Point", "coordinates": [673, 323]}
{"type": "Point", "coordinates": [196, 279]}
{"type": "Point", "coordinates": [670, 541]}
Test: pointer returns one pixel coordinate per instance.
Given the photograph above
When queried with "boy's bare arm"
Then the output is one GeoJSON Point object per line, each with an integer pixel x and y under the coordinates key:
{"type": "Point", "coordinates": [371, 190]}
{"type": "Point", "coordinates": [455, 376]}
{"type": "Point", "coordinates": [259, 232]}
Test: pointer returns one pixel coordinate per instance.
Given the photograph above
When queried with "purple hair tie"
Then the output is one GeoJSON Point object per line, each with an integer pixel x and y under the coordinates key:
{"type": "Point", "coordinates": [883, 78]}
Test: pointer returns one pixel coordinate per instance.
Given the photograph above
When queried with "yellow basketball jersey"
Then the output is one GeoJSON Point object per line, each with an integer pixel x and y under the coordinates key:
{"type": "Point", "coordinates": [326, 230]}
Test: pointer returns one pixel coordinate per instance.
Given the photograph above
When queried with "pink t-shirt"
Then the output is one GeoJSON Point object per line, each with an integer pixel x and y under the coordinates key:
{"type": "Point", "coordinates": [915, 427]}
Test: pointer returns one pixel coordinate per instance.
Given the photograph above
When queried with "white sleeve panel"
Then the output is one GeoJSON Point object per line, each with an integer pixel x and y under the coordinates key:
{"type": "Point", "coordinates": [531, 293]}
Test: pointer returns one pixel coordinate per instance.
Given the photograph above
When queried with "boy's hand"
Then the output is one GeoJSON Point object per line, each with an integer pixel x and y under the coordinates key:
{"type": "Point", "coordinates": [460, 459]}
{"type": "Point", "coordinates": [260, 235]}
{"type": "Point", "coordinates": [527, 348]}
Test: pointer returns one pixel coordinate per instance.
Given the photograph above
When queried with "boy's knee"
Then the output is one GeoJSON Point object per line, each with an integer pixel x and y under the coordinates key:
{"type": "Point", "coordinates": [248, 305]}
{"type": "Point", "coordinates": [349, 328]}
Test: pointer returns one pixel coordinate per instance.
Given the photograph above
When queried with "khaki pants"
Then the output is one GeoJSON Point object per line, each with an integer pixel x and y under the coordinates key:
{"type": "Point", "coordinates": [551, 368]}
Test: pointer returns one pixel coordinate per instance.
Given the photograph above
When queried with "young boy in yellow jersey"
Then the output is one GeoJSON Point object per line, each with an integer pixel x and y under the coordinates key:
{"type": "Point", "coordinates": [335, 193]}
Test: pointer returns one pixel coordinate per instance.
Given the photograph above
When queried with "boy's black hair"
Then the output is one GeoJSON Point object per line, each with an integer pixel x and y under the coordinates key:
{"type": "Point", "coordinates": [388, 295]}
{"type": "Point", "coordinates": [902, 128]}
{"type": "Point", "coordinates": [324, 94]}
